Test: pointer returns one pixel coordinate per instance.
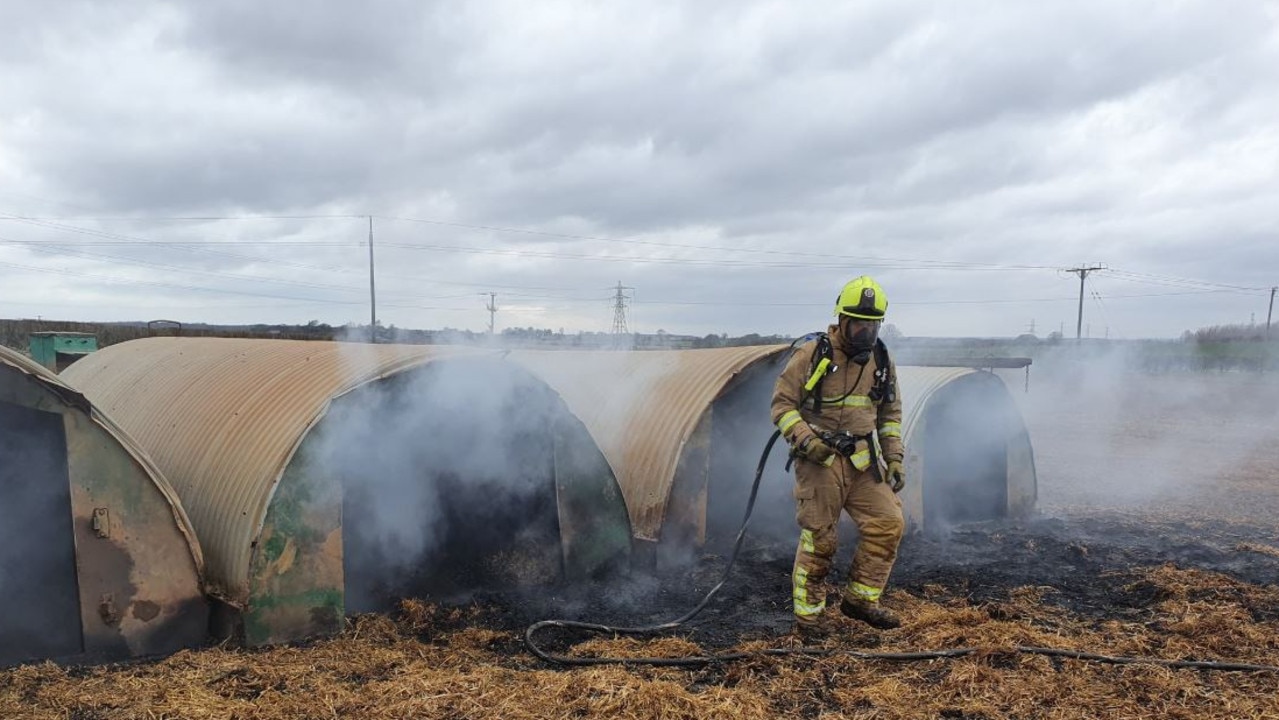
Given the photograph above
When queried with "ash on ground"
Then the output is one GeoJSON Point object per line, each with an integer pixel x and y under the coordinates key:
{"type": "Point", "coordinates": [1085, 564]}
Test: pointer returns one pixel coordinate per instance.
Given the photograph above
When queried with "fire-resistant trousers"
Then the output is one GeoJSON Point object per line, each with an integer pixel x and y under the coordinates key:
{"type": "Point", "coordinates": [820, 494]}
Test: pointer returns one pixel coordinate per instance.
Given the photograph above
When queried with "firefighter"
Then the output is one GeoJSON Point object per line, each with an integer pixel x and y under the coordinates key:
{"type": "Point", "coordinates": [836, 404]}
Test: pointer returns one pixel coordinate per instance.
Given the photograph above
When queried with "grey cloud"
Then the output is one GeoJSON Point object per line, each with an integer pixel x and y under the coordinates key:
{"type": "Point", "coordinates": [1137, 134]}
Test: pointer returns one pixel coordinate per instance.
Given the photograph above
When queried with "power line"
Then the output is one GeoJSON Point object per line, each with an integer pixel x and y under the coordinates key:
{"type": "Point", "coordinates": [207, 246]}
{"type": "Point", "coordinates": [826, 264]}
{"type": "Point", "coordinates": [176, 218]}
{"type": "Point", "coordinates": [825, 258]}
{"type": "Point", "coordinates": [216, 274]}
{"type": "Point", "coordinates": [165, 266]}
{"type": "Point", "coordinates": [201, 248]}
{"type": "Point", "coordinates": [197, 288]}
{"type": "Point", "coordinates": [113, 239]}
{"type": "Point", "coordinates": [869, 261]}
{"type": "Point", "coordinates": [1000, 301]}
{"type": "Point", "coordinates": [1101, 306]}
{"type": "Point", "coordinates": [1168, 280]}
{"type": "Point", "coordinates": [862, 259]}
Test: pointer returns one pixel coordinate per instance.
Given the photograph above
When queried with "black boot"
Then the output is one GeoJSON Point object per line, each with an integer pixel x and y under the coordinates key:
{"type": "Point", "coordinates": [870, 613]}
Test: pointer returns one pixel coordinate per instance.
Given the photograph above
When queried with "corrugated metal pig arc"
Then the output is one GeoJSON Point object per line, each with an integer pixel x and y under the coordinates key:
{"type": "Point", "coordinates": [233, 424]}
{"type": "Point", "coordinates": [641, 408]}
{"type": "Point", "coordinates": [652, 414]}
{"type": "Point", "coordinates": [119, 571]}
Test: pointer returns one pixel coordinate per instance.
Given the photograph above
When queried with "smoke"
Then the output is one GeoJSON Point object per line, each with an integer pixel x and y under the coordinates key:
{"type": "Point", "coordinates": [1110, 432]}
{"type": "Point", "coordinates": [41, 615]}
{"type": "Point", "coordinates": [448, 480]}
{"type": "Point", "coordinates": [741, 427]}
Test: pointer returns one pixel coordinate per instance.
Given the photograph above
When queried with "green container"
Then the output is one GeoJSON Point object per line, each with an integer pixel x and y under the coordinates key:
{"type": "Point", "coordinates": [56, 350]}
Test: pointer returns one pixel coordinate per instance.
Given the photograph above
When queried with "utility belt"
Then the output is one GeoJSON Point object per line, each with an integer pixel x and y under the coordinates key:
{"type": "Point", "coordinates": [845, 445]}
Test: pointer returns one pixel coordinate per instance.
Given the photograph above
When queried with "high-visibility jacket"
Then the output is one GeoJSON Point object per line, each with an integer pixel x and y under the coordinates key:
{"type": "Point", "coordinates": [846, 404]}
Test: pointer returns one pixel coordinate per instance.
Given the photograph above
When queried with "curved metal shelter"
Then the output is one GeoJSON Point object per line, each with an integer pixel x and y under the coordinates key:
{"type": "Point", "coordinates": [684, 431]}
{"type": "Point", "coordinates": [968, 453]}
{"type": "Point", "coordinates": [968, 448]}
{"type": "Point", "coordinates": [328, 477]}
{"type": "Point", "coordinates": [650, 412]}
{"type": "Point", "coordinates": [97, 559]}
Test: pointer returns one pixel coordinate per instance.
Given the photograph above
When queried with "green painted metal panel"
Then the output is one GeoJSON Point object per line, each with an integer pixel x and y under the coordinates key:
{"type": "Point", "coordinates": [45, 347]}
{"type": "Point", "coordinates": [296, 570]}
{"type": "Point", "coordinates": [595, 529]}
{"type": "Point", "coordinates": [41, 347]}
{"type": "Point", "coordinates": [75, 343]}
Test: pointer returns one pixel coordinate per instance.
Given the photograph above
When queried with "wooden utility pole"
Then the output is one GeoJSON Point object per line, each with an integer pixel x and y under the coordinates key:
{"type": "Point", "coordinates": [1082, 272]}
{"type": "Point", "coordinates": [491, 306]}
{"type": "Point", "coordinates": [1270, 313]}
{"type": "Point", "coordinates": [372, 289]}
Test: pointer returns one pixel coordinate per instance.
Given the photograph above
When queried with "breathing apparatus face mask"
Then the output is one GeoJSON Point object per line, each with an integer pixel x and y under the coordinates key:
{"type": "Point", "coordinates": [859, 338]}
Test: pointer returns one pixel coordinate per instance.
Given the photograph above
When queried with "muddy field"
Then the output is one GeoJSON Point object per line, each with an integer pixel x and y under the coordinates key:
{"type": "Point", "coordinates": [1158, 536]}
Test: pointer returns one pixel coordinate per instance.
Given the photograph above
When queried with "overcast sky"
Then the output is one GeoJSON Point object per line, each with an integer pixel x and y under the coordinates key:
{"type": "Point", "coordinates": [733, 162]}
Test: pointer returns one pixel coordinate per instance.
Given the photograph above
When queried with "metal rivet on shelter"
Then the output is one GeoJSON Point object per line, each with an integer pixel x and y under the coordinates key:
{"type": "Point", "coordinates": [684, 431]}
{"type": "Point", "coordinates": [325, 478]}
{"type": "Point", "coordinates": [97, 559]}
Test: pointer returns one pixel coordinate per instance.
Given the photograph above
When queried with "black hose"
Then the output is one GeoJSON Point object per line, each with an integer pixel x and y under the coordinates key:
{"type": "Point", "coordinates": [1221, 665]}
{"type": "Point", "coordinates": [648, 629]}
{"type": "Point", "coordinates": [924, 655]}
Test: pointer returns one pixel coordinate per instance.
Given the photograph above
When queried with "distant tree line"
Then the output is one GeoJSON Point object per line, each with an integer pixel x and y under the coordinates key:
{"type": "Point", "coordinates": [1227, 333]}
{"type": "Point", "coordinates": [15, 333]}
{"type": "Point", "coordinates": [1221, 348]}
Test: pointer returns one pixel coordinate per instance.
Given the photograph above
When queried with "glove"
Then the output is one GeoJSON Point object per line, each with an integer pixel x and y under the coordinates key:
{"type": "Point", "coordinates": [896, 475]}
{"type": "Point", "coordinates": [817, 451]}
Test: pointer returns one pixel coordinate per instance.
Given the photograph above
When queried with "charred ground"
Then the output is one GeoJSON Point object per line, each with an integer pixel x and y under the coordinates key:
{"type": "Point", "coordinates": [1091, 566]}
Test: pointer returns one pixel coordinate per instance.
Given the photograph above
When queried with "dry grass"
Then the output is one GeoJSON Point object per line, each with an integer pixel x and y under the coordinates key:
{"type": "Point", "coordinates": [407, 668]}
{"type": "Point", "coordinates": [1258, 548]}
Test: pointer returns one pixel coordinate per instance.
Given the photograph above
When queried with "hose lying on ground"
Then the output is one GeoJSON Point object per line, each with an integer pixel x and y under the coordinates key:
{"type": "Point", "coordinates": [650, 629]}
{"type": "Point", "coordinates": [925, 655]}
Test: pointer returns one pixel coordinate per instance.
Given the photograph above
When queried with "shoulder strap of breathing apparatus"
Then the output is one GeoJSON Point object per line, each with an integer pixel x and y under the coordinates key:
{"type": "Point", "coordinates": [823, 364]}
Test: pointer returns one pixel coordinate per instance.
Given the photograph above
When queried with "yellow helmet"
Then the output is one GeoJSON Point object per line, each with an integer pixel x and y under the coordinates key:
{"type": "Point", "coordinates": [862, 298]}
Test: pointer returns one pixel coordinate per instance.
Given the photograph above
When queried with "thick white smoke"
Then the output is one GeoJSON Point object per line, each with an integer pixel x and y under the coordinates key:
{"type": "Point", "coordinates": [448, 479]}
{"type": "Point", "coordinates": [1110, 432]}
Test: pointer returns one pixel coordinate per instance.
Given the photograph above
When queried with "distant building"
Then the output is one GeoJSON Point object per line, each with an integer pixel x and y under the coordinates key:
{"type": "Point", "coordinates": [57, 350]}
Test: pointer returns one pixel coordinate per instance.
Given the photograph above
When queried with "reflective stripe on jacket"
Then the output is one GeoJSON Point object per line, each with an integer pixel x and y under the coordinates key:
{"type": "Point", "coordinates": [846, 404]}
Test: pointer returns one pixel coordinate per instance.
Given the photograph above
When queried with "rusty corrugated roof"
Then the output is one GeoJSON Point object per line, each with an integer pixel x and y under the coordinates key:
{"type": "Point", "coordinates": [73, 397]}
{"type": "Point", "coordinates": [641, 407]}
{"type": "Point", "coordinates": [223, 417]}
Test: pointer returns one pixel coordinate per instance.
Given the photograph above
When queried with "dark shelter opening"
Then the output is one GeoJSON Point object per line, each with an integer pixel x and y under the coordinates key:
{"type": "Point", "coordinates": [41, 616]}
{"type": "Point", "coordinates": [967, 432]}
{"type": "Point", "coordinates": [975, 461]}
{"type": "Point", "coordinates": [459, 477]}
{"type": "Point", "coordinates": [740, 428]}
